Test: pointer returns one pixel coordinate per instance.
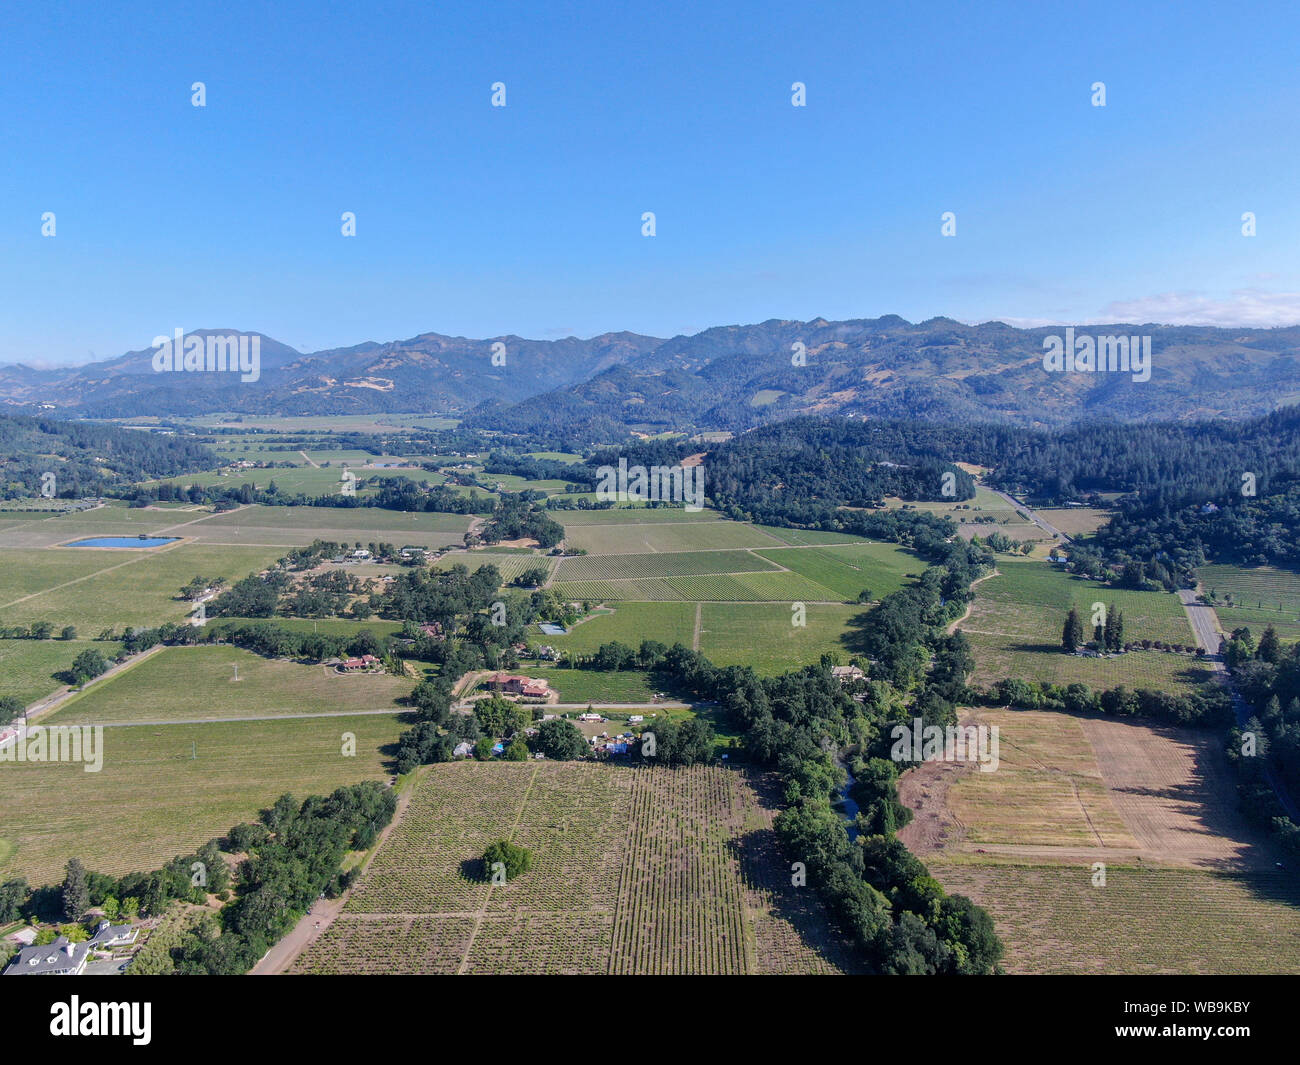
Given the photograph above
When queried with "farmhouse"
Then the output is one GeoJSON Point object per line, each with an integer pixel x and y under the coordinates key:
{"type": "Point", "coordinates": [433, 631]}
{"type": "Point", "coordinates": [357, 665]}
{"type": "Point", "coordinates": [108, 936]}
{"type": "Point", "coordinates": [526, 687]}
{"type": "Point", "coordinates": [844, 674]}
{"type": "Point", "coordinates": [60, 958]}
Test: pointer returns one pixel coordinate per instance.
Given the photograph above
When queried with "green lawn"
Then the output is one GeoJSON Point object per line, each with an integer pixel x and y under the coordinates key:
{"type": "Point", "coordinates": [629, 624]}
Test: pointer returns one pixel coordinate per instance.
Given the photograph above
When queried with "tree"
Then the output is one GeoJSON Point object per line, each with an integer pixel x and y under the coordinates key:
{"type": "Point", "coordinates": [76, 894]}
{"type": "Point", "coordinates": [13, 896]}
{"type": "Point", "coordinates": [88, 665]}
{"type": "Point", "coordinates": [69, 633]}
{"type": "Point", "coordinates": [1270, 647]}
{"type": "Point", "coordinates": [517, 751]}
{"type": "Point", "coordinates": [561, 740]}
{"type": "Point", "coordinates": [1113, 634]}
{"type": "Point", "coordinates": [504, 857]}
{"type": "Point", "coordinates": [1072, 635]}
{"type": "Point", "coordinates": [10, 708]}
{"type": "Point", "coordinates": [483, 749]}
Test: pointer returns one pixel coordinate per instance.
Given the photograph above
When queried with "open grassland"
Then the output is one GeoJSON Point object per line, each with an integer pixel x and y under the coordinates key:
{"type": "Point", "coordinates": [1145, 920]}
{"type": "Point", "coordinates": [650, 537]}
{"type": "Point", "coordinates": [1189, 886]}
{"type": "Point", "coordinates": [1261, 596]}
{"type": "Point", "coordinates": [166, 789]}
{"type": "Point", "coordinates": [99, 589]}
{"type": "Point", "coordinates": [1016, 621]}
{"type": "Point", "coordinates": [29, 668]}
{"type": "Point", "coordinates": [763, 635]}
{"type": "Point", "coordinates": [634, 871]}
{"type": "Point", "coordinates": [195, 683]}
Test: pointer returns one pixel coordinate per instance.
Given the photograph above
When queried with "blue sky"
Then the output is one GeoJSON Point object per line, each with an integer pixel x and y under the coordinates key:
{"type": "Point", "coordinates": [484, 221]}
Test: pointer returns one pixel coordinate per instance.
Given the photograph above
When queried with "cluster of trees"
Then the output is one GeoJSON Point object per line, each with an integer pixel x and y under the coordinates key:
{"type": "Point", "coordinates": [516, 518]}
{"type": "Point", "coordinates": [1210, 705]}
{"type": "Point", "coordinates": [293, 854]}
{"type": "Point", "coordinates": [1267, 750]}
{"type": "Point", "coordinates": [1108, 635]}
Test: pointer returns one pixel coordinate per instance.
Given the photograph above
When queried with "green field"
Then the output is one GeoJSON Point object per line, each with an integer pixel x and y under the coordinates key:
{"type": "Point", "coordinates": [651, 537]}
{"type": "Point", "coordinates": [194, 683]}
{"type": "Point", "coordinates": [28, 667]}
{"type": "Point", "coordinates": [847, 569]}
{"type": "Point", "coordinates": [629, 624]}
{"type": "Point", "coordinates": [763, 636]}
{"type": "Point", "coordinates": [166, 789]}
{"type": "Point", "coordinates": [663, 564]}
{"type": "Point", "coordinates": [298, 526]}
{"type": "Point", "coordinates": [98, 589]}
{"type": "Point", "coordinates": [590, 685]}
{"type": "Point", "coordinates": [511, 566]}
{"type": "Point", "coordinates": [775, 587]}
{"type": "Point", "coordinates": [1261, 596]}
{"type": "Point", "coordinates": [1016, 621]}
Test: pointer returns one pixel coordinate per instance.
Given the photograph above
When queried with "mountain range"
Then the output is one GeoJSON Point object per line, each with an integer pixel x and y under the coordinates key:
{"type": "Point", "coordinates": [727, 377]}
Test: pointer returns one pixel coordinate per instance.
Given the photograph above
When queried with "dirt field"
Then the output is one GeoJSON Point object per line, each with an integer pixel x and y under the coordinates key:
{"type": "Point", "coordinates": [1189, 886]}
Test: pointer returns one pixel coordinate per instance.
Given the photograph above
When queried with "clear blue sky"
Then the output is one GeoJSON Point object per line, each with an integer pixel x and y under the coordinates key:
{"type": "Point", "coordinates": [526, 219]}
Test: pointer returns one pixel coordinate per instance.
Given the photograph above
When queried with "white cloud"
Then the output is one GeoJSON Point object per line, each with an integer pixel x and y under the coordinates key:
{"type": "Point", "coordinates": [1249, 307]}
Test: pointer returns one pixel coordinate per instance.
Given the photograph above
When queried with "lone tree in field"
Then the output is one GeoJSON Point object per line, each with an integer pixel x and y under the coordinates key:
{"type": "Point", "coordinates": [504, 861]}
{"type": "Point", "coordinates": [1072, 637]}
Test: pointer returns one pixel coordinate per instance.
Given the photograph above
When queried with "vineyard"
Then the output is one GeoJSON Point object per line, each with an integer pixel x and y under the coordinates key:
{"type": "Point", "coordinates": [634, 871]}
{"type": "Point", "coordinates": [1261, 596]}
{"type": "Point", "coordinates": [662, 564]}
{"type": "Point", "coordinates": [511, 566]}
{"type": "Point", "coordinates": [776, 587]}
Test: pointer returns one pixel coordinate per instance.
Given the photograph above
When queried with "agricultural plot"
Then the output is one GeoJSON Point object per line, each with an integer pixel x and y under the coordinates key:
{"type": "Point", "coordinates": [1261, 596]}
{"type": "Point", "coordinates": [198, 683]}
{"type": "Point", "coordinates": [29, 668]}
{"type": "Point", "coordinates": [182, 784]}
{"type": "Point", "coordinates": [775, 587]}
{"type": "Point", "coordinates": [1016, 620]}
{"type": "Point", "coordinates": [651, 537]}
{"type": "Point", "coordinates": [511, 566]}
{"type": "Point", "coordinates": [849, 568]}
{"type": "Point", "coordinates": [629, 624]}
{"type": "Point", "coordinates": [635, 870]}
{"type": "Point", "coordinates": [764, 637]}
{"type": "Point", "coordinates": [297, 526]}
{"type": "Point", "coordinates": [635, 515]}
{"type": "Point", "coordinates": [1145, 920]}
{"type": "Point", "coordinates": [596, 686]}
{"type": "Point", "coordinates": [1189, 886]}
{"type": "Point", "coordinates": [664, 564]}
{"type": "Point", "coordinates": [99, 589]}
{"type": "Point", "coordinates": [1075, 521]}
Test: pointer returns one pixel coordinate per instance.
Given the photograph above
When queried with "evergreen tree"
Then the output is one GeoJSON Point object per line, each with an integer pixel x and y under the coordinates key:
{"type": "Point", "coordinates": [76, 893]}
{"type": "Point", "coordinates": [1072, 637]}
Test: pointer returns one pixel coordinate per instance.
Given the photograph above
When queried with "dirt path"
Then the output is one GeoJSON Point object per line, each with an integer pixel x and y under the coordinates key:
{"type": "Point", "coordinates": [50, 702]}
{"type": "Point", "coordinates": [1033, 516]}
{"type": "Point", "coordinates": [971, 603]}
{"type": "Point", "coordinates": [313, 465]}
{"type": "Point", "coordinates": [487, 895]}
{"type": "Point", "coordinates": [323, 911]}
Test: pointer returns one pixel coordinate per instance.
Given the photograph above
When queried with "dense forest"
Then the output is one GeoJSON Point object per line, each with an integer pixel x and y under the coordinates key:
{"type": "Point", "coordinates": [87, 458]}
